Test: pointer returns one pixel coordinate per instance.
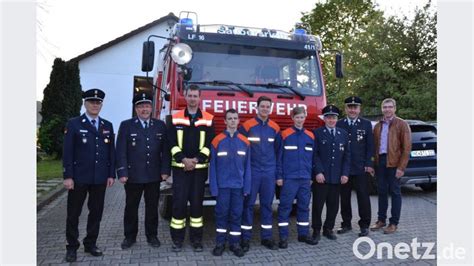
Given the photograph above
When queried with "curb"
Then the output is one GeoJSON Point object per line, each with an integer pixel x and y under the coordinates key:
{"type": "Point", "coordinates": [49, 197]}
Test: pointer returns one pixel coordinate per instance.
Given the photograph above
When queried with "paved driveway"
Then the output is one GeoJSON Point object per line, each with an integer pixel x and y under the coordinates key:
{"type": "Point", "coordinates": [418, 220]}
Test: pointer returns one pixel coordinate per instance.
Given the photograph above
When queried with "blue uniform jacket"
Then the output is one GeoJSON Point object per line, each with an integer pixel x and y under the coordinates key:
{"type": "Point", "coordinates": [88, 153]}
{"type": "Point", "coordinates": [265, 142]}
{"type": "Point", "coordinates": [295, 160]}
{"type": "Point", "coordinates": [143, 154]}
{"type": "Point", "coordinates": [331, 155]}
{"type": "Point", "coordinates": [361, 140]}
{"type": "Point", "coordinates": [230, 163]}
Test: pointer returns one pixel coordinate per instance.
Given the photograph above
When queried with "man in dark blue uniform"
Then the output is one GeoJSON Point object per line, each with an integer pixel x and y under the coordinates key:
{"type": "Point", "coordinates": [331, 162]}
{"type": "Point", "coordinates": [88, 161]}
{"type": "Point", "coordinates": [361, 141]}
{"type": "Point", "coordinates": [143, 161]}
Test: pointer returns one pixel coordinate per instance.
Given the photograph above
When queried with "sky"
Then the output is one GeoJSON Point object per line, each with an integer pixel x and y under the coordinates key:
{"type": "Point", "coordinates": [68, 28]}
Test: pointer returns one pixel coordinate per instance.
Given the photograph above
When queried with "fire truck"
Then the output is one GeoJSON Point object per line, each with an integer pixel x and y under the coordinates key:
{"type": "Point", "coordinates": [233, 66]}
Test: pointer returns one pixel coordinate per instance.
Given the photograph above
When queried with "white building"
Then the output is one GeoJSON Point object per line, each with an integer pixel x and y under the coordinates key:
{"type": "Point", "coordinates": [115, 68]}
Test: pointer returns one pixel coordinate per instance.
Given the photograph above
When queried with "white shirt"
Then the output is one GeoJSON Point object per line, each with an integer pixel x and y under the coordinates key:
{"type": "Point", "coordinates": [96, 121]}
{"type": "Point", "coordinates": [143, 122]}
{"type": "Point", "coordinates": [331, 130]}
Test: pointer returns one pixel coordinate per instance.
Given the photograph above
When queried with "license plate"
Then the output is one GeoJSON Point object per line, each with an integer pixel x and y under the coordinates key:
{"type": "Point", "coordinates": [423, 153]}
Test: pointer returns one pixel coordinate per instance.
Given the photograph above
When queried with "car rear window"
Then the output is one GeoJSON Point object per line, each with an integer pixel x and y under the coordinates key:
{"type": "Point", "coordinates": [423, 133]}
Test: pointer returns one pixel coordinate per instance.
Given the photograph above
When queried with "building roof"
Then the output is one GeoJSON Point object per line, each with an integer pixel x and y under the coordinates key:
{"type": "Point", "coordinates": [170, 16]}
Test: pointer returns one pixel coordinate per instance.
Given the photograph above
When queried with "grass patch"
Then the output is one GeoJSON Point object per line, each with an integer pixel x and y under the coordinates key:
{"type": "Point", "coordinates": [49, 168]}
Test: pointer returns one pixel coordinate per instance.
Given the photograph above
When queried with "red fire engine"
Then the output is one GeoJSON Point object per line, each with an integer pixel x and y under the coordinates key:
{"type": "Point", "coordinates": [233, 66]}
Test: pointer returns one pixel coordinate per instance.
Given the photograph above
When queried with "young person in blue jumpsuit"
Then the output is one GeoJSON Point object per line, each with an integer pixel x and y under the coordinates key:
{"type": "Point", "coordinates": [295, 162]}
{"type": "Point", "coordinates": [264, 137]}
{"type": "Point", "coordinates": [229, 181]}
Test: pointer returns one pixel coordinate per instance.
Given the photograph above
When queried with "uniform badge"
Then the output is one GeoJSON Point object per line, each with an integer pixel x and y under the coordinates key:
{"type": "Point", "coordinates": [84, 140]}
{"type": "Point", "coordinates": [341, 147]}
{"type": "Point", "coordinates": [360, 134]}
{"type": "Point", "coordinates": [133, 142]}
{"type": "Point", "coordinates": [106, 140]}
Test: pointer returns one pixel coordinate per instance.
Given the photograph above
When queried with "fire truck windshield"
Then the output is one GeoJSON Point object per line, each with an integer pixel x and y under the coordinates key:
{"type": "Point", "coordinates": [254, 65]}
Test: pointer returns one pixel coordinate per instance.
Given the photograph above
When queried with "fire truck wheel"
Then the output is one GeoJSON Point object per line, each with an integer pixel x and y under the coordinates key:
{"type": "Point", "coordinates": [166, 206]}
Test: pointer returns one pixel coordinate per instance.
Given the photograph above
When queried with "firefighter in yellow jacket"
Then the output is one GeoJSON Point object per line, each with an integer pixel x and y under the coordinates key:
{"type": "Point", "coordinates": [190, 137]}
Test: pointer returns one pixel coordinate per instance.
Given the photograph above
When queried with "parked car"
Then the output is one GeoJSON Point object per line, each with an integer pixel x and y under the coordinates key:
{"type": "Point", "coordinates": [421, 169]}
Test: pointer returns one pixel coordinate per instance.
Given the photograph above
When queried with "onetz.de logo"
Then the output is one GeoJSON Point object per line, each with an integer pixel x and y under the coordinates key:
{"type": "Point", "coordinates": [402, 250]}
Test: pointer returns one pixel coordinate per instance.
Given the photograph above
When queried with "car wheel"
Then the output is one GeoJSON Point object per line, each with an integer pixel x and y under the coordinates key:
{"type": "Point", "coordinates": [166, 206]}
{"type": "Point", "coordinates": [428, 187]}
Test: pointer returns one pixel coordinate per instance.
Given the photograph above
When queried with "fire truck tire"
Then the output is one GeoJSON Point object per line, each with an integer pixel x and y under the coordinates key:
{"type": "Point", "coordinates": [166, 206]}
{"type": "Point", "coordinates": [429, 187]}
{"type": "Point", "coordinates": [168, 120]}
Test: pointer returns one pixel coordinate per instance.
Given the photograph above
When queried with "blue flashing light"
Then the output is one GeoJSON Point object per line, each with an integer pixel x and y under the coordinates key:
{"type": "Point", "coordinates": [186, 22]}
{"type": "Point", "coordinates": [300, 31]}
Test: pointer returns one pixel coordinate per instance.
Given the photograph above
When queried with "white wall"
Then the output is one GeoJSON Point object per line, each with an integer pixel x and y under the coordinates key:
{"type": "Point", "coordinates": [112, 70]}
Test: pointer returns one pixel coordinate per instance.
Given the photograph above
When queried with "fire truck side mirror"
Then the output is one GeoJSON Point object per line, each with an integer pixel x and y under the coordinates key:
{"type": "Point", "coordinates": [148, 56]}
{"type": "Point", "coordinates": [339, 65]}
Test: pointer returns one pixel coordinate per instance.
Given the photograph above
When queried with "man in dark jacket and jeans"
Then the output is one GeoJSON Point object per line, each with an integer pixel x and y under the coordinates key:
{"type": "Point", "coordinates": [392, 150]}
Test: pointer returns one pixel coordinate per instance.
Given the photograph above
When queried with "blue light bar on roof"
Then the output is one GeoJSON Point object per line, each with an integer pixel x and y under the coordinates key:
{"type": "Point", "coordinates": [300, 32]}
{"type": "Point", "coordinates": [186, 21]}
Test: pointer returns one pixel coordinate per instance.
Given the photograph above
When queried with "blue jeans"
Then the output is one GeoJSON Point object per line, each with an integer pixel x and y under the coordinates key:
{"type": "Point", "coordinates": [388, 183]}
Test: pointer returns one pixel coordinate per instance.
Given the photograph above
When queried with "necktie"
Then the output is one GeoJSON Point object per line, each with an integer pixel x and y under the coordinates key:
{"type": "Point", "coordinates": [332, 132]}
{"type": "Point", "coordinates": [146, 124]}
{"type": "Point", "coordinates": [93, 123]}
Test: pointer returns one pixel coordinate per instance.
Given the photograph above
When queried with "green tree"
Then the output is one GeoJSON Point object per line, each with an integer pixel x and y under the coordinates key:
{"type": "Point", "coordinates": [73, 90]}
{"type": "Point", "coordinates": [384, 57]}
{"type": "Point", "coordinates": [61, 101]}
{"type": "Point", "coordinates": [339, 23]}
{"type": "Point", "coordinates": [398, 59]}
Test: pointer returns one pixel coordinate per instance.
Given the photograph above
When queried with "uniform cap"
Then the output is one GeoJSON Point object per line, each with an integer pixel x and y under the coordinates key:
{"type": "Point", "coordinates": [142, 97]}
{"type": "Point", "coordinates": [93, 94]}
{"type": "Point", "coordinates": [331, 109]}
{"type": "Point", "coordinates": [353, 100]}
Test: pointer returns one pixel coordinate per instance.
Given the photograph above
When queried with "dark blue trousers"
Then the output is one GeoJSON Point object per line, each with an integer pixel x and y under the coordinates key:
{"type": "Point", "coordinates": [388, 183]}
{"type": "Point", "coordinates": [228, 211]}
{"type": "Point", "coordinates": [265, 187]}
{"type": "Point", "coordinates": [291, 189]}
